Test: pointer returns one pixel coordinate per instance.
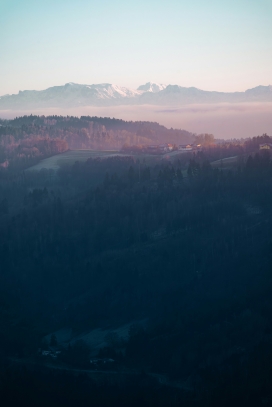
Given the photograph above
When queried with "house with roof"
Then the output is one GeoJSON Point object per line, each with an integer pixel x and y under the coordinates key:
{"type": "Point", "coordinates": [185, 147]}
{"type": "Point", "coordinates": [265, 146]}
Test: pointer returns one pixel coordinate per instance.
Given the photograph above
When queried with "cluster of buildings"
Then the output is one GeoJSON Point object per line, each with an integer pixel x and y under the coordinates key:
{"type": "Point", "coordinates": [189, 147]}
{"type": "Point", "coordinates": [167, 148]}
{"type": "Point", "coordinates": [158, 148]}
{"type": "Point", "coordinates": [161, 148]}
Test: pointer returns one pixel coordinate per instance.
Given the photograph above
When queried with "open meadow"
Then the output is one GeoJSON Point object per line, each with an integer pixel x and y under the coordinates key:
{"type": "Point", "coordinates": [70, 157]}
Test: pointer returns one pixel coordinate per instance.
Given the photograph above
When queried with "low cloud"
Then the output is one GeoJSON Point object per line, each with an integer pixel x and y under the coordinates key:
{"type": "Point", "coordinates": [223, 120]}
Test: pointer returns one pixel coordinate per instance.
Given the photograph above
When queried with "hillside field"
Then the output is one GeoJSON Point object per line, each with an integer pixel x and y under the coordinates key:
{"type": "Point", "coordinates": [70, 157]}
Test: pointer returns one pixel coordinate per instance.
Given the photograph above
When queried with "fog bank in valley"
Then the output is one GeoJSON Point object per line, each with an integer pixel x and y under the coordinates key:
{"type": "Point", "coordinates": [223, 120]}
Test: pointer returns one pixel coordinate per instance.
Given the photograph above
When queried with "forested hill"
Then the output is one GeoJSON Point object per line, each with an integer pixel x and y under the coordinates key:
{"type": "Point", "coordinates": [190, 255]}
{"type": "Point", "coordinates": [92, 132]}
{"type": "Point", "coordinates": [28, 139]}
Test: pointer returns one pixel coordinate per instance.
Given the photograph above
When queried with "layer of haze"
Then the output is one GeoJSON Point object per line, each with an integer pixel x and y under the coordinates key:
{"type": "Point", "coordinates": [213, 45]}
{"type": "Point", "coordinates": [223, 120]}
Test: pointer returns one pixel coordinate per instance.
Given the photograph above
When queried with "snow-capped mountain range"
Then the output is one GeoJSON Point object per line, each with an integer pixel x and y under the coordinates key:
{"type": "Point", "coordinates": [105, 94]}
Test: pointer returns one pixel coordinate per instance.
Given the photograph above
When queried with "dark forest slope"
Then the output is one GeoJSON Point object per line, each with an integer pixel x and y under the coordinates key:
{"type": "Point", "coordinates": [191, 255]}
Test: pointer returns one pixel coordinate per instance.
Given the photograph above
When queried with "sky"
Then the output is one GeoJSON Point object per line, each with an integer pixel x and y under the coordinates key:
{"type": "Point", "coordinates": [212, 44]}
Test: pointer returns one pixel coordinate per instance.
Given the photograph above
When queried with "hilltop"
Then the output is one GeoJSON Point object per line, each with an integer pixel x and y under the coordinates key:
{"type": "Point", "coordinates": [29, 139]}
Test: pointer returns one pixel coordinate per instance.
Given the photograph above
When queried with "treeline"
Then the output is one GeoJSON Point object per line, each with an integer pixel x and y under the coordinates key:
{"type": "Point", "coordinates": [32, 387]}
{"type": "Point", "coordinates": [253, 143]}
{"type": "Point", "coordinates": [18, 155]}
{"type": "Point", "coordinates": [26, 140]}
{"type": "Point", "coordinates": [90, 132]}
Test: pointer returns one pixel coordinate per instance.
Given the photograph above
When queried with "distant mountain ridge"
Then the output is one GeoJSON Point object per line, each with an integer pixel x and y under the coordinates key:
{"type": "Point", "coordinates": [106, 94]}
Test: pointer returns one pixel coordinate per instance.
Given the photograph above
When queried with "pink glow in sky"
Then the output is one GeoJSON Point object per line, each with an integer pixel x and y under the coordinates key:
{"type": "Point", "coordinates": [222, 45]}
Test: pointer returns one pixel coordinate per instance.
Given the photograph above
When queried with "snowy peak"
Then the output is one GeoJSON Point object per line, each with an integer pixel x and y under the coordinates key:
{"type": "Point", "coordinates": [103, 90]}
{"type": "Point", "coordinates": [152, 87]}
{"type": "Point", "coordinates": [107, 94]}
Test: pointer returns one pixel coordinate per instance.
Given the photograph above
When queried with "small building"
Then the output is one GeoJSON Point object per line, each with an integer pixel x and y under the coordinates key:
{"type": "Point", "coordinates": [166, 147]}
{"type": "Point", "coordinates": [196, 147]}
{"type": "Point", "coordinates": [265, 146]}
{"type": "Point", "coordinates": [185, 147]}
{"type": "Point", "coordinates": [158, 148]}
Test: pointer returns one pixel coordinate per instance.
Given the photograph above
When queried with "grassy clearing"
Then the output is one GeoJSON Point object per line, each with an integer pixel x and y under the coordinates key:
{"type": "Point", "coordinates": [225, 163]}
{"type": "Point", "coordinates": [69, 157]}
{"type": "Point", "coordinates": [96, 338]}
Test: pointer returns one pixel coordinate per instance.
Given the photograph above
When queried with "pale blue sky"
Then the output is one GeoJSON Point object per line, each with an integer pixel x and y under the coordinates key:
{"type": "Point", "coordinates": [212, 44]}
